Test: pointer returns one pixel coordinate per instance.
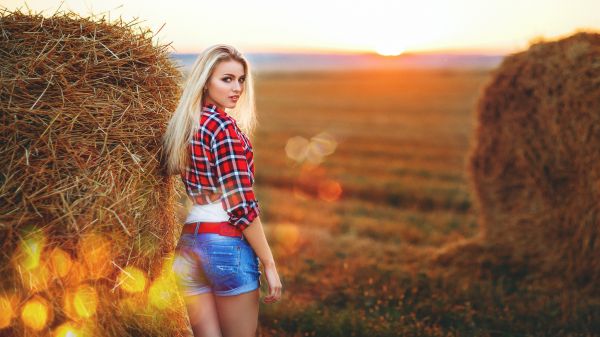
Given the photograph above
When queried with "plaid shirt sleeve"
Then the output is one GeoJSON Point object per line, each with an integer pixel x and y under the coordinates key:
{"type": "Point", "coordinates": [234, 174]}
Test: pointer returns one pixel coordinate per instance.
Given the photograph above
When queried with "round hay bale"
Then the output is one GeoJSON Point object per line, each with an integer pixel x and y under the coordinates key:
{"type": "Point", "coordinates": [87, 221]}
{"type": "Point", "coordinates": [535, 166]}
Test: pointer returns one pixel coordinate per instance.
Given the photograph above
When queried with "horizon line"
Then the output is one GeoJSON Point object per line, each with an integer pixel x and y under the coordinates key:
{"type": "Point", "coordinates": [457, 51]}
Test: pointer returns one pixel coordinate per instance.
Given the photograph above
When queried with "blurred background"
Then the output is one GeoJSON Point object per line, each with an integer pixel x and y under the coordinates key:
{"type": "Point", "coordinates": [366, 118]}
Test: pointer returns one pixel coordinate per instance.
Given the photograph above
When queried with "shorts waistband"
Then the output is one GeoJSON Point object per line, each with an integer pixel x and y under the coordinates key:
{"type": "Point", "coordinates": [222, 228]}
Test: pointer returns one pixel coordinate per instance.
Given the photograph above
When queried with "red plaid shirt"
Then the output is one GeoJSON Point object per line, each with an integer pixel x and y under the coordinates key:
{"type": "Point", "coordinates": [222, 167]}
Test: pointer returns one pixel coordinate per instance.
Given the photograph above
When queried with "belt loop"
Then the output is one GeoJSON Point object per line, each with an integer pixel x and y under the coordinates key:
{"type": "Point", "coordinates": [197, 227]}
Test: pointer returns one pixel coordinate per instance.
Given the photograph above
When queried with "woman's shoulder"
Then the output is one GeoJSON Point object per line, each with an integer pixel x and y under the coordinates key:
{"type": "Point", "coordinates": [215, 122]}
{"type": "Point", "coordinates": [216, 128]}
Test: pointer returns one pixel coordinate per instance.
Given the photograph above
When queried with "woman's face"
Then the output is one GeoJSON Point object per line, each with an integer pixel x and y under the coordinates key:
{"type": "Point", "coordinates": [226, 84]}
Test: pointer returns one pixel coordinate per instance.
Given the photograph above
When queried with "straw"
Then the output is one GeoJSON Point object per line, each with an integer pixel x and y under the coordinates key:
{"type": "Point", "coordinates": [535, 166]}
{"type": "Point", "coordinates": [83, 105]}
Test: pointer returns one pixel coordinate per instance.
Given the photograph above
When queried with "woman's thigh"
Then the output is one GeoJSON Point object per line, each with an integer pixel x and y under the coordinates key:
{"type": "Point", "coordinates": [238, 314]}
{"type": "Point", "coordinates": [203, 315]}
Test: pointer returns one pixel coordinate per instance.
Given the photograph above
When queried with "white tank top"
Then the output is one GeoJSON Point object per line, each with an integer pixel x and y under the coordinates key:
{"type": "Point", "coordinates": [213, 212]}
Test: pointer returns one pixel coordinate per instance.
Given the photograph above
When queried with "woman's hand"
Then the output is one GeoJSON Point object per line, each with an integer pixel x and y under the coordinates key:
{"type": "Point", "coordinates": [274, 283]}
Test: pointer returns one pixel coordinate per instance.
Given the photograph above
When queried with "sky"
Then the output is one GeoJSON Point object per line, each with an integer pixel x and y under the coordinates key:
{"type": "Point", "coordinates": [387, 27]}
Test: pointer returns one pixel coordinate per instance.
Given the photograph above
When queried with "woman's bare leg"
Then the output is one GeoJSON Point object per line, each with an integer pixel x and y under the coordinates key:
{"type": "Point", "coordinates": [238, 314]}
{"type": "Point", "coordinates": [203, 315]}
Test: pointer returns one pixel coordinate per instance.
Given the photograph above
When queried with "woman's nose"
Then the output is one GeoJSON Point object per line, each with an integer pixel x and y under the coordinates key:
{"type": "Point", "coordinates": [237, 86]}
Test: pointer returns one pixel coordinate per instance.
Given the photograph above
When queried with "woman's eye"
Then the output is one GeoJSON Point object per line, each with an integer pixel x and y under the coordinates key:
{"type": "Point", "coordinates": [242, 79]}
{"type": "Point", "coordinates": [227, 79]}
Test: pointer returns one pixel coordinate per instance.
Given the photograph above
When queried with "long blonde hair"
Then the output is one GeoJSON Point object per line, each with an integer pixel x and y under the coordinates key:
{"type": "Point", "coordinates": [186, 119]}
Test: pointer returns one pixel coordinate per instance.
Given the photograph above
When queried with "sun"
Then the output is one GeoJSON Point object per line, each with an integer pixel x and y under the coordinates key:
{"type": "Point", "coordinates": [388, 50]}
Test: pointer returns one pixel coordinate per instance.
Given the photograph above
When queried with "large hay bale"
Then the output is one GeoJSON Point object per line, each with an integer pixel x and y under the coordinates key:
{"type": "Point", "coordinates": [87, 222]}
{"type": "Point", "coordinates": [535, 166]}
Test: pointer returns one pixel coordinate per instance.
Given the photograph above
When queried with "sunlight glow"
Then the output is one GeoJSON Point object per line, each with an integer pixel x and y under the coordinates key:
{"type": "Point", "coordinates": [397, 25]}
{"type": "Point", "coordinates": [389, 50]}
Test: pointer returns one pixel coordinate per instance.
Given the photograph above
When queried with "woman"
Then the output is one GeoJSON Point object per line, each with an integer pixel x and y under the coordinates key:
{"type": "Point", "coordinates": [206, 142]}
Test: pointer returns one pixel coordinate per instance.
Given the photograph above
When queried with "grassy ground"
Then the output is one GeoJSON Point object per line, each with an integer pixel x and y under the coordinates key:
{"type": "Point", "coordinates": [352, 230]}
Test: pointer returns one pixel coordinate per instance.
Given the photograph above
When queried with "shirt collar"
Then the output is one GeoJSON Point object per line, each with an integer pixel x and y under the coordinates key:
{"type": "Point", "coordinates": [210, 107]}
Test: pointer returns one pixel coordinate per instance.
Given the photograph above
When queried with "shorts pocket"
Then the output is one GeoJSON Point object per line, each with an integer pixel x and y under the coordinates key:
{"type": "Point", "coordinates": [223, 261]}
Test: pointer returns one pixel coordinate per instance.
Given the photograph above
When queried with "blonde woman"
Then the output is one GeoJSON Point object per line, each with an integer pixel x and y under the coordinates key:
{"type": "Point", "coordinates": [207, 143]}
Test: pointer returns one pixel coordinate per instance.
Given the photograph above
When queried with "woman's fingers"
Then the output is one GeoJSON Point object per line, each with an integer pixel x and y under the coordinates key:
{"type": "Point", "coordinates": [271, 298]}
{"type": "Point", "coordinates": [274, 294]}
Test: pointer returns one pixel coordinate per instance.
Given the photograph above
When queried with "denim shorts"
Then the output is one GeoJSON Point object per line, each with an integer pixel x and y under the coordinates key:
{"type": "Point", "coordinates": [208, 262]}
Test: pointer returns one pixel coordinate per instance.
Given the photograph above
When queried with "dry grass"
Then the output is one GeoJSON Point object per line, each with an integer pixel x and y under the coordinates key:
{"type": "Point", "coordinates": [535, 166]}
{"type": "Point", "coordinates": [83, 104]}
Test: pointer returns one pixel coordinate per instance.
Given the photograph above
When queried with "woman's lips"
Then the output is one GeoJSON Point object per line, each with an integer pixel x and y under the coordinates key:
{"type": "Point", "coordinates": [234, 98]}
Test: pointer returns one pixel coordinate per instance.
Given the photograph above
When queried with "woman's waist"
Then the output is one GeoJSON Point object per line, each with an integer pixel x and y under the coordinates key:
{"type": "Point", "coordinates": [213, 211]}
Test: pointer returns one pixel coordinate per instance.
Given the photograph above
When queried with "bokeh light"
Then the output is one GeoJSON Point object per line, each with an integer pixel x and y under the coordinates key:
{"type": "Point", "coordinates": [27, 255]}
{"type": "Point", "coordinates": [162, 292]}
{"type": "Point", "coordinates": [330, 190]}
{"type": "Point", "coordinates": [312, 154]}
{"type": "Point", "coordinates": [68, 329]}
{"type": "Point", "coordinates": [36, 267]}
{"type": "Point", "coordinates": [132, 279]}
{"type": "Point", "coordinates": [320, 146]}
{"type": "Point", "coordinates": [85, 301]}
{"type": "Point", "coordinates": [314, 150]}
{"type": "Point", "coordinates": [296, 148]}
{"type": "Point", "coordinates": [60, 262]}
{"type": "Point", "coordinates": [95, 249]}
{"type": "Point", "coordinates": [287, 237]}
{"type": "Point", "coordinates": [36, 313]}
{"type": "Point", "coordinates": [77, 273]}
{"type": "Point", "coordinates": [68, 307]}
{"type": "Point", "coordinates": [80, 302]}
{"type": "Point", "coordinates": [324, 144]}
{"type": "Point", "coordinates": [310, 171]}
{"type": "Point", "coordinates": [37, 279]}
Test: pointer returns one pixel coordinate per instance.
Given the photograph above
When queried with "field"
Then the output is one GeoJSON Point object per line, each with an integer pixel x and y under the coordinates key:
{"type": "Point", "coordinates": [361, 180]}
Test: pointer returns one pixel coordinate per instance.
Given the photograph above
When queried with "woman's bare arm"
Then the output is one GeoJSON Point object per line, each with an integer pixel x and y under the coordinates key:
{"type": "Point", "coordinates": [255, 235]}
{"type": "Point", "coordinates": [257, 239]}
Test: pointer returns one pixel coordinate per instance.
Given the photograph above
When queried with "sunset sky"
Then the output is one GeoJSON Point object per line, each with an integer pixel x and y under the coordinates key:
{"type": "Point", "coordinates": [384, 26]}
